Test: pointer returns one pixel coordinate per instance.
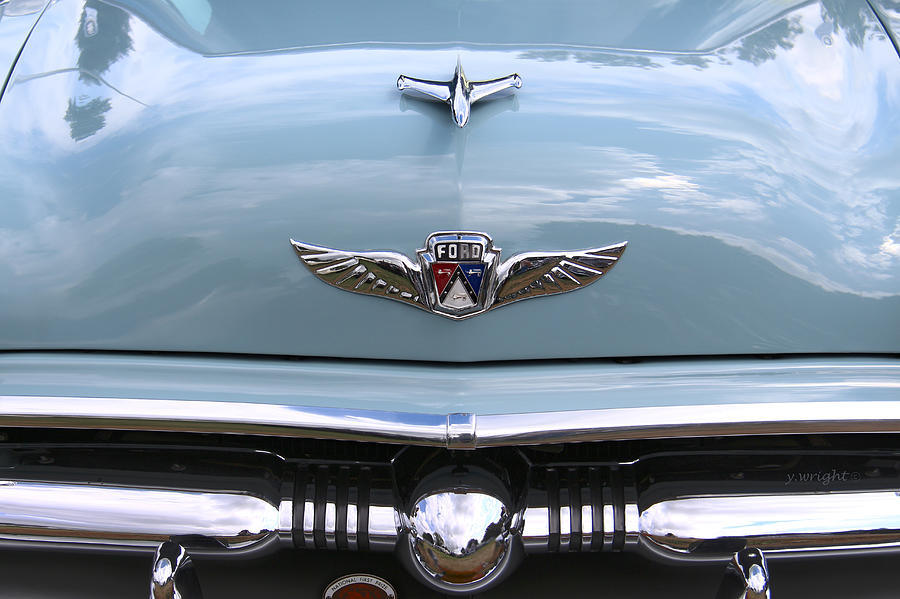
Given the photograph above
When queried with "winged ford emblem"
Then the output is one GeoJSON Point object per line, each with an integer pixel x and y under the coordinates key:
{"type": "Point", "coordinates": [458, 274]}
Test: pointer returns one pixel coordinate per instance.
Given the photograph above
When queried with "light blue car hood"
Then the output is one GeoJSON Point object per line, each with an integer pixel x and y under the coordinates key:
{"type": "Point", "coordinates": [155, 162]}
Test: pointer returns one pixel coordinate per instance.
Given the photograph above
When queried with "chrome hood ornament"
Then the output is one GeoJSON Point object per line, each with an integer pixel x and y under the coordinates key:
{"type": "Point", "coordinates": [459, 92]}
{"type": "Point", "coordinates": [458, 274]}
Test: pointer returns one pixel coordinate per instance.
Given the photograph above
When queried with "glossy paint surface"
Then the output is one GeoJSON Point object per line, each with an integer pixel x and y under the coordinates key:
{"type": "Point", "coordinates": [888, 12]}
{"type": "Point", "coordinates": [151, 179]}
{"type": "Point", "coordinates": [16, 20]}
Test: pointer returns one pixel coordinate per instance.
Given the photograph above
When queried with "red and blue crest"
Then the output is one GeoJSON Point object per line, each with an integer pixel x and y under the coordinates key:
{"type": "Point", "coordinates": [457, 268]}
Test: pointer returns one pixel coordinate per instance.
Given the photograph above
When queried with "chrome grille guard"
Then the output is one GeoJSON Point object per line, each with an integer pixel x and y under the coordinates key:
{"type": "Point", "coordinates": [700, 500]}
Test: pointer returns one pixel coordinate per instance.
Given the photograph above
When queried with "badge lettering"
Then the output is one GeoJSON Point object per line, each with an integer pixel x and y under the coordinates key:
{"type": "Point", "coordinates": [458, 250]}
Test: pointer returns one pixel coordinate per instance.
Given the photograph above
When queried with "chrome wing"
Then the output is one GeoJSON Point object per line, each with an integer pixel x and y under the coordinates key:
{"type": "Point", "coordinates": [534, 274]}
{"type": "Point", "coordinates": [385, 274]}
{"type": "Point", "coordinates": [483, 89]}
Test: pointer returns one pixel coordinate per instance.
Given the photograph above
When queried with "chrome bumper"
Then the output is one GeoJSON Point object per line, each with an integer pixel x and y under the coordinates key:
{"type": "Point", "coordinates": [489, 406]}
{"type": "Point", "coordinates": [454, 430]}
{"type": "Point", "coordinates": [715, 471]}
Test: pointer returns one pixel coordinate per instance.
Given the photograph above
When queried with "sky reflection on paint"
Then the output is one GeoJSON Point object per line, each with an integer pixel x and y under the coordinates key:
{"type": "Point", "coordinates": [780, 144]}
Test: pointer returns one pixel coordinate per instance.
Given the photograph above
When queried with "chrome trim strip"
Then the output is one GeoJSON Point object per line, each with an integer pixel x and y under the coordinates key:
{"type": "Point", "coordinates": [693, 528]}
{"type": "Point", "coordinates": [352, 524]}
{"type": "Point", "coordinates": [609, 526]}
{"type": "Point", "coordinates": [565, 528]}
{"type": "Point", "coordinates": [330, 525]}
{"type": "Point", "coordinates": [286, 520]}
{"type": "Point", "coordinates": [587, 527]}
{"type": "Point", "coordinates": [632, 524]}
{"type": "Point", "coordinates": [309, 524]}
{"type": "Point", "coordinates": [223, 417]}
{"type": "Point", "coordinates": [461, 429]}
{"type": "Point", "coordinates": [689, 421]}
{"type": "Point", "coordinates": [698, 528]}
{"type": "Point", "coordinates": [536, 528]}
{"type": "Point", "coordinates": [384, 524]}
{"type": "Point", "coordinates": [133, 517]}
{"type": "Point", "coordinates": [457, 430]}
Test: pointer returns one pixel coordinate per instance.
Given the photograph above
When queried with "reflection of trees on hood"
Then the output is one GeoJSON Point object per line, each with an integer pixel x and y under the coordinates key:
{"type": "Point", "coordinates": [104, 36]}
{"type": "Point", "coordinates": [86, 119]}
{"type": "Point", "coordinates": [855, 20]}
{"type": "Point", "coordinates": [601, 59]}
{"type": "Point", "coordinates": [761, 46]}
